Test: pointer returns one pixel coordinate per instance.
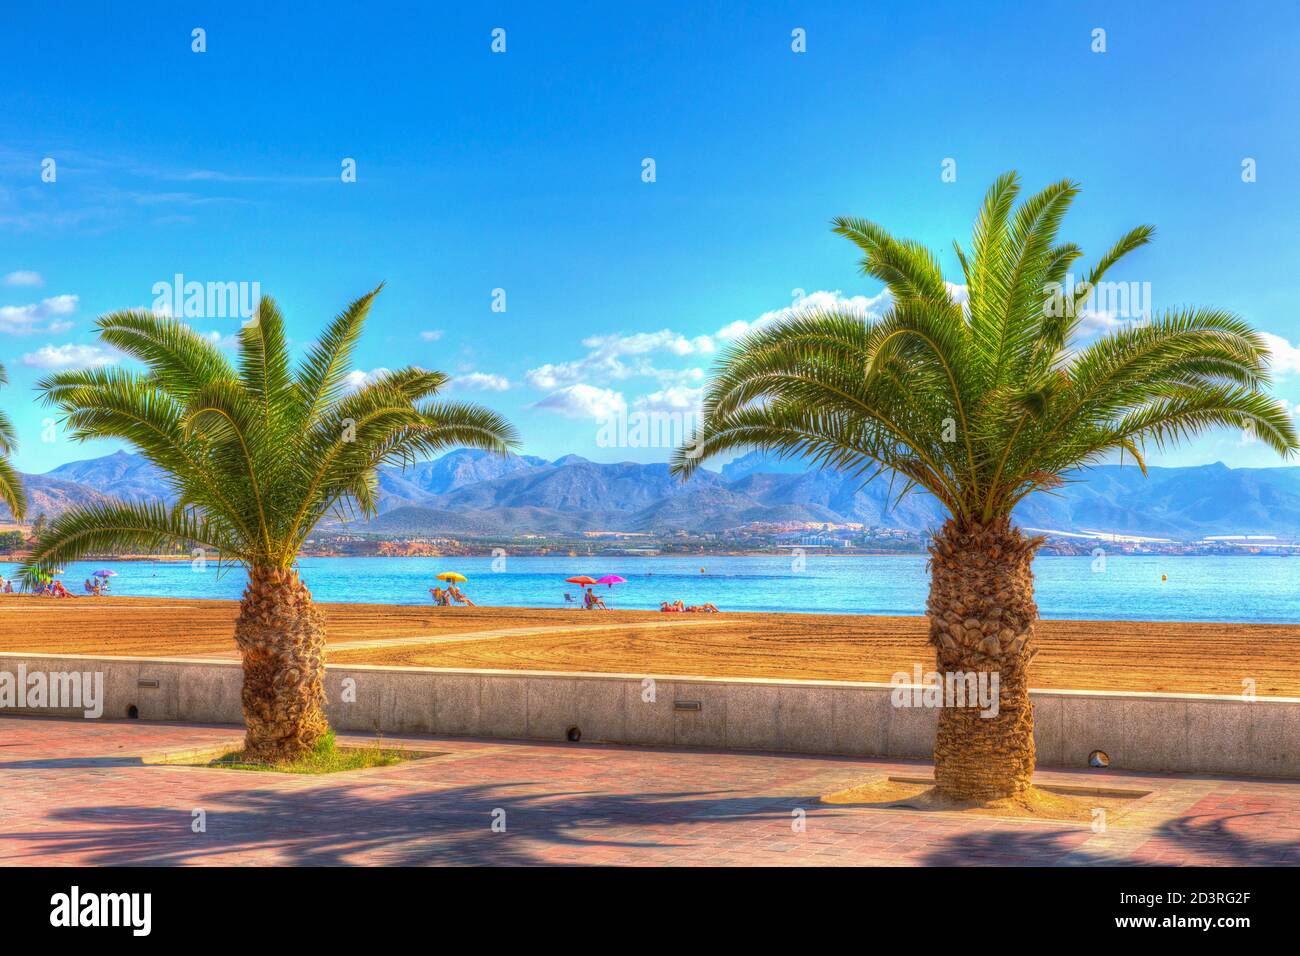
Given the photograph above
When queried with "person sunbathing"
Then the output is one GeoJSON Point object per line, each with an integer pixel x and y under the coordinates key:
{"type": "Point", "coordinates": [439, 596]}
{"type": "Point", "coordinates": [59, 591]}
{"type": "Point", "coordinates": [677, 606]}
{"type": "Point", "coordinates": [703, 609]}
{"type": "Point", "coordinates": [597, 602]}
{"type": "Point", "coordinates": [459, 596]}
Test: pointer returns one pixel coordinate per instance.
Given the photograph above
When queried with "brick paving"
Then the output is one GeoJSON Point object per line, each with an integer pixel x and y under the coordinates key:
{"type": "Point", "coordinates": [77, 792]}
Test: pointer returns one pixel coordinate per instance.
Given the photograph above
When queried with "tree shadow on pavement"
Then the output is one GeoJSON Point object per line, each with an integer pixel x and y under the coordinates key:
{"type": "Point", "coordinates": [1223, 839]}
{"type": "Point", "coordinates": [393, 826]}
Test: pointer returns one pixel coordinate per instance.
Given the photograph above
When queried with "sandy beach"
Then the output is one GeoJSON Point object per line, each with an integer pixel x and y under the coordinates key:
{"type": "Point", "coordinates": [1093, 655]}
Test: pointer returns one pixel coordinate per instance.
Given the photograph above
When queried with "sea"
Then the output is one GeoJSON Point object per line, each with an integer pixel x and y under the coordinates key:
{"type": "Point", "coordinates": [1144, 587]}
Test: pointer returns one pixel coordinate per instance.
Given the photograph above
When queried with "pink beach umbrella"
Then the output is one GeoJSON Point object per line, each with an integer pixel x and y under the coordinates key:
{"type": "Point", "coordinates": [611, 579]}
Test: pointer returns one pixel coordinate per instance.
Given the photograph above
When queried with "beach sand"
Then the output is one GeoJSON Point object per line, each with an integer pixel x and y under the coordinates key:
{"type": "Point", "coordinates": [1084, 655]}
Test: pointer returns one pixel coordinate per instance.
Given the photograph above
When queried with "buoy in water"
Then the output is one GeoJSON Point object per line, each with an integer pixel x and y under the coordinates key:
{"type": "Point", "coordinates": [1164, 577]}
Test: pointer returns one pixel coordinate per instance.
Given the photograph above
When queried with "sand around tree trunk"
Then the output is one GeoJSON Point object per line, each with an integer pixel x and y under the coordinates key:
{"type": "Point", "coordinates": [1037, 802]}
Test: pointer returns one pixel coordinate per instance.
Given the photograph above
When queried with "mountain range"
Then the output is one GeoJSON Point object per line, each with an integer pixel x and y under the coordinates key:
{"type": "Point", "coordinates": [468, 492]}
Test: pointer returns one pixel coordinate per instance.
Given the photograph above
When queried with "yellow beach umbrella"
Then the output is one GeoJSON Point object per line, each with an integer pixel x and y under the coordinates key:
{"type": "Point", "coordinates": [451, 576]}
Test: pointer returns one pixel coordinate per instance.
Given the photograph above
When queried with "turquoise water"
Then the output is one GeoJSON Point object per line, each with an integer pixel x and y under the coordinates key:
{"type": "Point", "coordinates": [1243, 588]}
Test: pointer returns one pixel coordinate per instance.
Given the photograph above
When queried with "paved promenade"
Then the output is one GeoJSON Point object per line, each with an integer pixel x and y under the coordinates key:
{"type": "Point", "coordinates": [77, 792]}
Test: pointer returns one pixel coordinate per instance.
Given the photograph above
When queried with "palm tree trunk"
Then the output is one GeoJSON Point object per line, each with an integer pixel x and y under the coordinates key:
{"type": "Point", "coordinates": [281, 637]}
{"type": "Point", "coordinates": [982, 614]}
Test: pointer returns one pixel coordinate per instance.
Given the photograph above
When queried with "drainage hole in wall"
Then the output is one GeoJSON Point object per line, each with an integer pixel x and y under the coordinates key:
{"type": "Point", "coordinates": [132, 712]}
{"type": "Point", "coordinates": [1098, 758]}
{"type": "Point", "coordinates": [573, 734]}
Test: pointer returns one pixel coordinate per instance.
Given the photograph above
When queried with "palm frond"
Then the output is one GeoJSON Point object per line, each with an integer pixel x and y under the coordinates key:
{"type": "Point", "coordinates": [177, 357]}
{"type": "Point", "coordinates": [11, 489]}
{"type": "Point", "coordinates": [105, 526]}
{"type": "Point", "coordinates": [320, 380]}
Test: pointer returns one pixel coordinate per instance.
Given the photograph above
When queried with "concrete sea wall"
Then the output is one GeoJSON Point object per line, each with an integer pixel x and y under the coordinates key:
{"type": "Point", "coordinates": [1138, 731]}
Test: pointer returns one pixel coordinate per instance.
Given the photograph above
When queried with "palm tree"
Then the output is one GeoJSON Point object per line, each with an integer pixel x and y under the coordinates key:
{"type": "Point", "coordinates": [981, 405]}
{"type": "Point", "coordinates": [255, 456]}
{"type": "Point", "coordinates": [11, 486]}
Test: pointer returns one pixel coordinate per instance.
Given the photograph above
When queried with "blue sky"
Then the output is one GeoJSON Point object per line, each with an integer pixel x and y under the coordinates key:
{"type": "Point", "coordinates": [522, 171]}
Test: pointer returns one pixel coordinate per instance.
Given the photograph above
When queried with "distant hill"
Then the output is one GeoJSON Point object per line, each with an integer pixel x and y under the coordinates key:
{"type": "Point", "coordinates": [757, 461]}
{"type": "Point", "coordinates": [467, 492]}
{"type": "Point", "coordinates": [120, 474]}
{"type": "Point", "coordinates": [465, 466]}
{"type": "Point", "coordinates": [52, 496]}
{"type": "Point", "coordinates": [1173, 502]}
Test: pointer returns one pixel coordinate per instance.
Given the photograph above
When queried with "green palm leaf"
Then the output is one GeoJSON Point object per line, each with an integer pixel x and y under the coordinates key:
{"type": "Point", "coordinates": [105, 526]}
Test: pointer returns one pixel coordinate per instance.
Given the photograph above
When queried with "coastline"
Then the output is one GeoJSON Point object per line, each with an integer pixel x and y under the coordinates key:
{"type": "Point", "coordinates": [1143, 587]}
{"type": "Point", "coordinates": [819, 554]}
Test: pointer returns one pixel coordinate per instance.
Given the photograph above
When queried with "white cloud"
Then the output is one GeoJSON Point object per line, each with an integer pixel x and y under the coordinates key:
{"type": "Point", "coordinates": [552, 375]}
{"type": "Point", "coordinates": [431, 335]}
{"type": "Point", "coordinates": [59, 305]}
{"type": "Point", "coordinates": [599, 366]}
{"type": "Point", "coordinates": [1285, 356]}
{"type": "Point", "coordinates": [604, 366]}
{"type": "Point", "coordinates": [481, 382]}
{"type": "Point", "coordinates": [681, 376]}
{"type": "Point", "coordinates": [1092, 322]}
{"type": "Point", "coordinates": [641, 343]}
{"type": "Point", "coordinates": [676, 398]}
{"type": "Point", "coordinates": [357, 379]}
{"type": "Point", "coordinates": [584, 401]}
{"type": "Point", "coordinates": [26, 319]}
{"type": "Point", "coordinates": [618, 357]}
{"type": "Point", "coordinates": [70, 356]}
{"type": "Point", "coordinates": [23, 278]}
{"type": "Point", "coordinates": [1098, 322]}
{"type": "Point", "coordinates": [865, 306]}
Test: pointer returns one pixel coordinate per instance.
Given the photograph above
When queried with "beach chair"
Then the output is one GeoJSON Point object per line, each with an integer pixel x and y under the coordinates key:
{"type": "Point", "coordinates": [568, 598]}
